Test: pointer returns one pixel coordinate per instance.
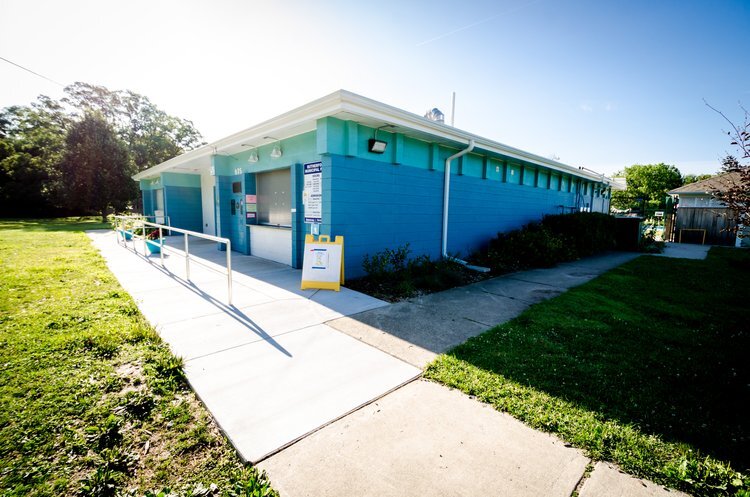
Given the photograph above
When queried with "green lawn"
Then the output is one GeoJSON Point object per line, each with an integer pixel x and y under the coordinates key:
{"type": "Point", "coordinates": [646, 366]}
{"type": "Point", "coordinates": [91, 401]}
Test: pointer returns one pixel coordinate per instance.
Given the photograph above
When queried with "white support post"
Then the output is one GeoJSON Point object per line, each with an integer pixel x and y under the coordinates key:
{"type": "Point", "coordinates": [229, 272]}
{"type": "Point", "coordinates": [161, 246]}
{"type": "Point", "coordinates": [187, 259]}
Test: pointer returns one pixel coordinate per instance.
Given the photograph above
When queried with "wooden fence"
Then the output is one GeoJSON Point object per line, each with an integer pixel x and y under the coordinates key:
{"type": "Point", "coordinates": [716, 221]}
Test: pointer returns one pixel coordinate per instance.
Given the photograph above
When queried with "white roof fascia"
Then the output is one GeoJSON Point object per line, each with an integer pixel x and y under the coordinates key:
{"type": "Point", "coordinates": [372, 108]}
{"type": "Point", "coordinates": [346, 101]}
{"type": "Point", "coordinates": [323, 106]}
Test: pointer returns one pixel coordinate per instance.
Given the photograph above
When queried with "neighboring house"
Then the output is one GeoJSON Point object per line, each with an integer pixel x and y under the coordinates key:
{"type": "Point", "coordinates": [699, 212]}
{"type": "Point", "coordinates": [365, 170]}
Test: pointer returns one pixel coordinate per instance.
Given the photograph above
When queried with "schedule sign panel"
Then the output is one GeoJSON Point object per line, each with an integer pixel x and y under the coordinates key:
{"type": "Point", "coordinates": [312, 195]}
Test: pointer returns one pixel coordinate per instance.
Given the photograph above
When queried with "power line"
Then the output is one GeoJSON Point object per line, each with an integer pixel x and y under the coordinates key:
{"type": "Point", "coordinates": [32, 72]}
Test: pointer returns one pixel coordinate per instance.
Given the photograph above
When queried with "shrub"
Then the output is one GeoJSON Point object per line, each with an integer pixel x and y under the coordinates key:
{"type": "Point", "coordinates": [392, 275]}
{"type": "Point", "coordinates": [382, 264]}
{"type": "Point", "coordinates": [557, 238]}
{"type": "Point", "coordinates": [586, 233]}
{"type": "Point", "coordinates": [533, 246]}
{"type": "Point", "coordinates": [648, 242]}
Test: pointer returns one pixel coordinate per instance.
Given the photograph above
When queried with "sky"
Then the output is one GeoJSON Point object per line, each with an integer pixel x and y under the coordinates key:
{"type": "Point", "coordinates": [602, 84]}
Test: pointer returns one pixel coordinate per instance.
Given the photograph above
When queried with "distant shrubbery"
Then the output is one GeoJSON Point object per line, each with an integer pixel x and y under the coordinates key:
{"type": "Point", "coordinates": [558, 238]}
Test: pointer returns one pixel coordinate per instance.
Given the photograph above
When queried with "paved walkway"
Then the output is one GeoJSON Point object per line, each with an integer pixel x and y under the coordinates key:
{"type": "Point", "coordinates": [417, 330]}
{"type": "Point", "coordinates": [266, 367]}
{"type": "Point", "coordinates": [277, 374]}
{"type": "Point", "coordinates": [425, 439]}
{"type": "Point", "coordinates": [684, 251]}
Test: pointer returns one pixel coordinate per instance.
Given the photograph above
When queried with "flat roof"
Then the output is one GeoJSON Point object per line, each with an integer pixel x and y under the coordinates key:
{"type": "Point", "coordinates": [349, 106]}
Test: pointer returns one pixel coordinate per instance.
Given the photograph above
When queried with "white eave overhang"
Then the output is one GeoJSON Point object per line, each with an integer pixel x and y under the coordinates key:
{"type": "Point", "coordinates": [349, 106]}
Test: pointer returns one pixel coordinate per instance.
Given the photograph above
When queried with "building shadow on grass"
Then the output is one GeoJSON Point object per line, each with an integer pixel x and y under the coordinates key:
{"type": "Point", "coordinates": [649, 345]}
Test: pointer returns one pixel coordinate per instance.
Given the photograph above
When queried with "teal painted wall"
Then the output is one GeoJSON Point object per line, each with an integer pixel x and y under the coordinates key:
{"type": "Point", "coordinates": [181, 179]}
{"type": "Point", "coordinates": [386, 200]}
{"type": "Point", "coordinates": [376, 206]}
{"type": "Point", "coordinates": [150, 184]}
{"type": "Point", "coordinates": [182, 204]}
{"type": "Point", "coordinates": [296, 150]}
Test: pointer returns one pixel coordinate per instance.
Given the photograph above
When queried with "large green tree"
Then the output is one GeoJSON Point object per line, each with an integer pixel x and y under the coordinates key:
{"type": "Point", "coordinates": [96, 167]}
{"type": "Point", "coordinates": [152, 135]}
{"type": "Point", "coordinates": [647, 186]}
{"type": "Point", "coordinates": [33, 142]}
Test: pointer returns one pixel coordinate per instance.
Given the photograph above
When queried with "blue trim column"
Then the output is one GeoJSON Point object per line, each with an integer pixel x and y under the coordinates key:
{"type": "Point", "coordinates": [221, 207]}
{"type": "Point", "coordinates": [299, 228]}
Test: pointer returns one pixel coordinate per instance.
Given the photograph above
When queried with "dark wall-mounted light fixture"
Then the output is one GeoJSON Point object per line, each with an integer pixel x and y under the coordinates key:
{"type": "Point", "coordinates": [376, 146]}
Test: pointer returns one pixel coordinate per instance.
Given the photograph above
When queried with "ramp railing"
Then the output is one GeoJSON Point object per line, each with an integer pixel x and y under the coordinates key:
{"type": "Point", "coordinates": [136, 228]}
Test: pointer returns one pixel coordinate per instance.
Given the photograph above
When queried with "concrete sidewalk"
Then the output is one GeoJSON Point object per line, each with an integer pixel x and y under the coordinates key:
{"type": "Point", "coordinates": [419, 329]}
{"type": "Point", "coordinates": [425, 439]}
{"type": "Point", "coordinates": [268, 368]}
{"type": "Point", "coordinates": [281, 380]}
{"type": "Point", "coordinates": [684, 251]}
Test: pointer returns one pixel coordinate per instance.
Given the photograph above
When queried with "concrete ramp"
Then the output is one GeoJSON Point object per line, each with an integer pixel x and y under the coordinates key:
{"type": "Point", "coordinates": [266, 367]}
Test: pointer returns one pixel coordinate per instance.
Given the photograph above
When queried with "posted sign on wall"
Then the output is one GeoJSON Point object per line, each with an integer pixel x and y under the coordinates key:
{"type": "Point", "coordinates": [323, 265]}
{"type": "Point", "coordinates": [312, 194]}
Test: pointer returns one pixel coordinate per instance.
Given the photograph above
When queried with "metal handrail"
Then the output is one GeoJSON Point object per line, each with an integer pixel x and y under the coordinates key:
{"type": "Point", "coordinates": [142, 224]}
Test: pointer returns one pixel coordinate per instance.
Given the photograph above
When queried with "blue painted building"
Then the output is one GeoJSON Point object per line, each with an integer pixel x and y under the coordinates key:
{"type": "Point", "coordinates": [252, 186]}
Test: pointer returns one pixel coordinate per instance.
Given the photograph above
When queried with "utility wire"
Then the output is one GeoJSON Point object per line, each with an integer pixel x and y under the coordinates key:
{"type": "Point", "coordinates": [32, 72]}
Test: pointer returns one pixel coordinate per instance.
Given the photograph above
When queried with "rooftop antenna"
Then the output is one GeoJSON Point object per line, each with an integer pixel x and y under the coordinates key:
{"type": "Point", "coordinates": [453, 110]}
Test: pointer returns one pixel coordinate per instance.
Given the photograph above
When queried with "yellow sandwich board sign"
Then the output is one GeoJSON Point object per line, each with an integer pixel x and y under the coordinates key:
{"type": "Point", "coordinates": [323, 263]}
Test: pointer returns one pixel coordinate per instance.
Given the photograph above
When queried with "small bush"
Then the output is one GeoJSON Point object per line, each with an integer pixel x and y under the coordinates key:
{"type": "Point", "coordinates": [392, 275]}
{"type": "Point", "coordinates": [533, 246]}
{"type": "Point", "coordinates": [648, 242]}
{"type": "Point", "coordinates": [387, 262]}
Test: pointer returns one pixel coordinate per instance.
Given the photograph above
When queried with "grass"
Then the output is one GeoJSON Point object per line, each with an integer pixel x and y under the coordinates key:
{"type": "Point", "coordinates": [93, 403]}
{"type": "Point", "coordinates": [646, 366]}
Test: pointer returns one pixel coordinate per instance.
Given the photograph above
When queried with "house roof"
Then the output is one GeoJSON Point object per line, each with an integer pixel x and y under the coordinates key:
{"type": "Point", "coordinates": [349, 106]}
{"type": "Point", "coordinates": [710, 185]}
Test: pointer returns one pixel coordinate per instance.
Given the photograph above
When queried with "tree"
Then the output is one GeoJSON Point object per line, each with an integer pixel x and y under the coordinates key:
{"type": "Point", "coordinates": [736, 194]}
{"type": "Point", "coordinates": [152, 135]}
{"type": "Point", "coordinates": [96, 167]}
{"type": "Point", "coordinates": [34, 140]}
{"type": "Point", "coordinates": [694, 178]}
{"type": "Point", "coordinates": [647, 186]}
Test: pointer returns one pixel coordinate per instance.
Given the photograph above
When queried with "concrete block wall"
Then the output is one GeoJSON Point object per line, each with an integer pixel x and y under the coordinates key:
{"type": "Point", "coordinates": [480, 209]}
{"type": "Point", "coordinates": [183, 206]}
{"type": "Point", "coordinates": [377, 206]}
